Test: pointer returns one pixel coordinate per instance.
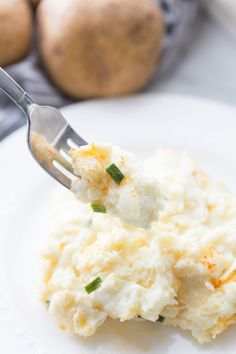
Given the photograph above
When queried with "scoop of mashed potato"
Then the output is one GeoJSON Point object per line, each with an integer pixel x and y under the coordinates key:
{"type": "Point", "coordinates": [181, 271]}
{"type": "Point", "coordinates": [113, 182]}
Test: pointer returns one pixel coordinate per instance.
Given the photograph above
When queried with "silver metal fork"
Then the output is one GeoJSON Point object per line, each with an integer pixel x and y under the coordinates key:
{"type": "Point", "coordinates": [49, 135]}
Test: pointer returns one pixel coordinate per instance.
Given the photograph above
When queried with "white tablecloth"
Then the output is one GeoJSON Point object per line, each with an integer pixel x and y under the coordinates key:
{"type": "Point", "coordinates": [208, 68]}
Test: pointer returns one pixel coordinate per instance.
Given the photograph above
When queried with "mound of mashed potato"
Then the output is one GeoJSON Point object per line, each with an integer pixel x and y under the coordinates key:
{"type": "Point", "coordinates": [181, 271]}
{"type": "Point", "coordinates": [113, 182]}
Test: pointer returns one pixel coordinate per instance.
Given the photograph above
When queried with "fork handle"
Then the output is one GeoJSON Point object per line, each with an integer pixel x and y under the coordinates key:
{"type": "Point", "coordinates": [14, 91]}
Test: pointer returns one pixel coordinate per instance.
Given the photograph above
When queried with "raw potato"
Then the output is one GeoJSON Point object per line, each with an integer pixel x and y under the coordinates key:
{"type": "Point", "coordinates": [100, 47]}
{"type": "Point", "coordinates": [15, 30]}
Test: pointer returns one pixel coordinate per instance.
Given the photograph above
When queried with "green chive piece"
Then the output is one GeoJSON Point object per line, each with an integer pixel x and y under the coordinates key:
{"type": "Point", "coordinates": [47, 302]}
{"type": "Point", "coordinates": [139, 316]}
{"type": "Point", "coordinates": [160, 319]}
{"type": "Point", "coordinates": [95, 284]}
{"type": "Point", "coordinates": [98, 208]}
{"type": "Point", "coordinates": [115, 173]}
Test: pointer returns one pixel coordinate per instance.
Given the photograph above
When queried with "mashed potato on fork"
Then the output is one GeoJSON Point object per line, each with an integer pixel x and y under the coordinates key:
{"type": "Point", "coordinates": [180, 272]}
{"type": "Point", "coordinates": [113, 182]}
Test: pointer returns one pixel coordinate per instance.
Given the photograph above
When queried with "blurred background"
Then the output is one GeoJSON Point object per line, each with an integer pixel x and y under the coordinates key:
{"type": "Point", "coordinates": [67, 51]}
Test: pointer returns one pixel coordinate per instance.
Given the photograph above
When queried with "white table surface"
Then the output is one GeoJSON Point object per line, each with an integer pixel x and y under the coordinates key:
{"type": "Point", "coordinates": [208, 68]}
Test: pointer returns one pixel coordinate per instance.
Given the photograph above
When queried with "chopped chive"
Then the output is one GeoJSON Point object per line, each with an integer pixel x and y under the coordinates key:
{"type": "Point", "coordinates": [160, 319]}
{"type": "Point", "coordinates": [47, 302]}
{"type": "Point", "coordinates": [115, 173]}
{"type": "Point", "coordinates": [95, 284]}
{"type": "Point", "coordinates": [139, 316]}
{"type": "Point", "coordinates": [98, 208]}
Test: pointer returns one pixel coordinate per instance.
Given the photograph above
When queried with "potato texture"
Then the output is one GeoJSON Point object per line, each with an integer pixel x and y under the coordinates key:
{"type": "Point", "coordinates": [100, 47]}
{"type": "Point", "coordinates": [15, 30]}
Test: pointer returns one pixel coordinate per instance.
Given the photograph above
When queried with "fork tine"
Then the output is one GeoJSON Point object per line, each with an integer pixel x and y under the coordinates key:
{"type": "Point", "coordinates": [48, 131]}
{"type": "Point", "coordinates": [65, 160]}
{"type": "Point", "coordinates": [66, 156]}
{"type": "Point", "coordinates": [76, 138]}
{"type": "Point", "coordinates": [48, 138]}
{"type": "Point", "coordinates": [66, 172]}
{"type": "Point", "coordinates": [68, 134]}
{"type": "Point", "coordinates": [62, 145]}
{"type": "Point", "coordinates": [46, 155]}
{"type": "Point", "coordinates": [60, 176]}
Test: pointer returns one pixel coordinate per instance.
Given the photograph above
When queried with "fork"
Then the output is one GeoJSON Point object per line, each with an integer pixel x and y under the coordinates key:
{"type": "Point", "coordinates": [49, 135]}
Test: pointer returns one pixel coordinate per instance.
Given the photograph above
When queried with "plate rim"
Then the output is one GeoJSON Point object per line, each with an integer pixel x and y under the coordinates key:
{"type": "Point", "coordinates": [200, 100]}
{"type": "Point", "coordinates": [182, 98]}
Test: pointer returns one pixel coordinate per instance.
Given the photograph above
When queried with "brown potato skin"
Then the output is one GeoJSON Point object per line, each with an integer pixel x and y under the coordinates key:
{"type": "Point", "coordinates": [15, 30]}
{"type": "Point", "coordinates": [101, 47]}
{"type": "Point", "coordinates": [34, 2]}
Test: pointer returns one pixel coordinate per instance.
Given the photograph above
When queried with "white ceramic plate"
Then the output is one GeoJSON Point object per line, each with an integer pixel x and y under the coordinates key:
{"type": "Point", "coordinates": [140, 124]}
